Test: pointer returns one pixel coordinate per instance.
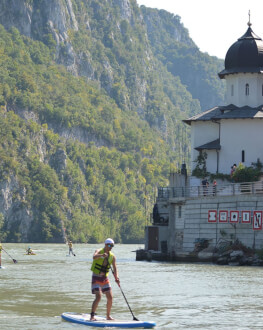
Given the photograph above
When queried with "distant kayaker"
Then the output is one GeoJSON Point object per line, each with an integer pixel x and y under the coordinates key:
{"type": "Point", "coordinates": [102, 261]}
{"type": "Point", "coordinates": [70, 248]}
{"type": "Point", "coordinates": [29, 250]}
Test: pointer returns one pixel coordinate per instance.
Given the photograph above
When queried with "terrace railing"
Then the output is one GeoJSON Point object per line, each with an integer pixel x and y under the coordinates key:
{"type": "Point", "coordinates": [229, 189]}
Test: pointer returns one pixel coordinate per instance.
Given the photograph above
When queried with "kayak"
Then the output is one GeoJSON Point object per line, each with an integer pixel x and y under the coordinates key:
{"type": "Point", "coordinates": [30, 254]}
{"type": "Point", "coordinates": [102, 322]}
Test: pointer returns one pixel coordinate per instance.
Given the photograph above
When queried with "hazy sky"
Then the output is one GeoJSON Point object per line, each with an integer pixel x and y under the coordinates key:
{"type": "Point", "coordinates": [214, 25]}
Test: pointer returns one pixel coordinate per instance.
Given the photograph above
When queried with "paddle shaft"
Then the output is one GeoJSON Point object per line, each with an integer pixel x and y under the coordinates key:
{"type": "Point", "coordinates": [72, 253]}
{"type": "Point", "coordinates": [14, 260]}
{"type": "Point", "coordinates": [135, 319]}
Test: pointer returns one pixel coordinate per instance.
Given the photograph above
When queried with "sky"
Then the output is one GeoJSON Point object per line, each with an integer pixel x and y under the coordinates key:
{"type": "Point", "coordinates": [214, 25]}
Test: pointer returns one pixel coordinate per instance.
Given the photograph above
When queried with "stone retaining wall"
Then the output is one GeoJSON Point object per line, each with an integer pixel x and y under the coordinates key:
{"type": "Point", "coordinates": [193, 225]}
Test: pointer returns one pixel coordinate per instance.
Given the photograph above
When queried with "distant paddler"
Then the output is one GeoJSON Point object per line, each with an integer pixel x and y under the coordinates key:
{"type": "Point", "coordinates": [29, 251]}
{"type": "Point", "coordinates": [1, 248]}
{"type": "Point", "coordinates": [70, 248]}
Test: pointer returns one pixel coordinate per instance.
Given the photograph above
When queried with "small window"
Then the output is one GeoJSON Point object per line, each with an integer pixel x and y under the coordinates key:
{"type": "Point", "coordinates": [180, 211]}
{"type": "Point", "coordinates": [232, 90]}
{"type": "Point", "coordinates": [247, 89]}
{"type": "Point", "coordinates": [243, 156]}
{"type": "Point", "coordinates": [262, 90]}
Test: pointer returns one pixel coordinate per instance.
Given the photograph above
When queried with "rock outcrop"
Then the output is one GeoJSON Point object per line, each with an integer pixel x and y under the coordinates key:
{"type": "Point", "coordinates": [14, 207]}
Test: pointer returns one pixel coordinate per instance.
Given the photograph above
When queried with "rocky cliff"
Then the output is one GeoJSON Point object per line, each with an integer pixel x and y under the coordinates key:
{"type": "Point", "coordinates": [91, 141]}
{"type": "Point", "coordinates": [104, 41]}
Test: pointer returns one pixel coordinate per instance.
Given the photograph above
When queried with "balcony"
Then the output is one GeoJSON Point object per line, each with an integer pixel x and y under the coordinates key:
{"type": "Point", "coordinates": [229, 189]}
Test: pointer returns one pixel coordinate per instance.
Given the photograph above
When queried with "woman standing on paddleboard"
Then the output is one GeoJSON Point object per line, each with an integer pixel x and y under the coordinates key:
{"type": "Point", "coordinates": [102, 261]}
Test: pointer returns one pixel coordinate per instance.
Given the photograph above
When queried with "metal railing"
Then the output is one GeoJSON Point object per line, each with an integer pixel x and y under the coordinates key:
{"type": "Point", "coordinates": [230, 189]}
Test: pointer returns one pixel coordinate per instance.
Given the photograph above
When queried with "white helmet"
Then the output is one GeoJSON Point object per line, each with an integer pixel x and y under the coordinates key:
{"type": "Point", "coordinates": [109, 241]}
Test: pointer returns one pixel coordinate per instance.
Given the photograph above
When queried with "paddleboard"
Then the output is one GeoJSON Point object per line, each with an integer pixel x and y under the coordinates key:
{"type": "Point", "coordinates": [102, 322]}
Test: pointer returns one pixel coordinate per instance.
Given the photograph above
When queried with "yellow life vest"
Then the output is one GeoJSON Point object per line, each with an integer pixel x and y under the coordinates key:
{"type": "Point", "coordinates": [0, 247]}
{"type": "Point", "coordinates": [97, 265]}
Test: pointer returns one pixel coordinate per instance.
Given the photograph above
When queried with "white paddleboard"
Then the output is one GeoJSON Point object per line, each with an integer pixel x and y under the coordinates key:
{"type": "Point", "coordinates": [102, 322]}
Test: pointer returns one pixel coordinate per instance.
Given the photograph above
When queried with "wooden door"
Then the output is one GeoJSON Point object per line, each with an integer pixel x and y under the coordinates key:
{"type": "Point", "coordinates": [153, 238]}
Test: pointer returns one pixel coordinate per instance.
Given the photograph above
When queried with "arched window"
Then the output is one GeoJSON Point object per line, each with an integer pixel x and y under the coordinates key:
{"type": "Point", "coordinates": [247, 89]}
{"type": "Point", "coordinates": [232, 90]}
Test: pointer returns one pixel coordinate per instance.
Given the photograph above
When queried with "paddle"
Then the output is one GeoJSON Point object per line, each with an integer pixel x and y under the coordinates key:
{"type": "Point", "coordinates": [72, 253]}
{"type": "Point", "coordinates": [14, 260]}
{"type": "Point", "coordinates": [134, 318]}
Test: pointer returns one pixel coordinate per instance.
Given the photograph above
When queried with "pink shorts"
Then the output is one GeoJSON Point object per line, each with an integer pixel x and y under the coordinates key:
{"type": "Point", "coordinates": [100, 283]}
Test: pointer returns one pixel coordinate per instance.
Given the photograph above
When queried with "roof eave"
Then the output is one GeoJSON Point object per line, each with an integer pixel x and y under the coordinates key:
{"type": "Point", "coordinates": [213, 145]}
{"type": "Point", "coordinates": [227, 72]}
{"type": "Point", "coordinates": [187, 121]}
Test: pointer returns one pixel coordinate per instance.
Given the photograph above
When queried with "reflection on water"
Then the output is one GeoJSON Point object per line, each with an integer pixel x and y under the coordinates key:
{"type": "Point", "coordinates": [36, 290]}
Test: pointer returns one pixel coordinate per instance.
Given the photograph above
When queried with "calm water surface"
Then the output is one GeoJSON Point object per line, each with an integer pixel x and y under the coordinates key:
{"type": "Point", "coordinates": [36, 290]}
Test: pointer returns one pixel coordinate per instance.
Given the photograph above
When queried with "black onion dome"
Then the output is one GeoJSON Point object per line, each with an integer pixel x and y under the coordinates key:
{"type": "Point", "coordinates": [245, 55]}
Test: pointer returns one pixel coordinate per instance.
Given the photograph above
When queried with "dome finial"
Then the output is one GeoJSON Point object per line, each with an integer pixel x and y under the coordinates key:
{"type": "Point", "coordinates": [249, 24]}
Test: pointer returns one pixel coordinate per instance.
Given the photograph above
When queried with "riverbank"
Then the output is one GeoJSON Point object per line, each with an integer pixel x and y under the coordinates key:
{"type": "Point", "coordinates": [232, 254]}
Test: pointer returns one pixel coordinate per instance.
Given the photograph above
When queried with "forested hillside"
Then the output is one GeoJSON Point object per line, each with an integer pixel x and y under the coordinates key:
{"type": "Point", "coordinates": [197, 71]}
{"type": "Point", "coordinates": [90, 118]}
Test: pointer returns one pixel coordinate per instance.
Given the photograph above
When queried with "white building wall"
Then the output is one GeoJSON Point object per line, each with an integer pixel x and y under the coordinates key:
{"type": "Point", "coordinates": [235, 135]}
{"type": "Point", "coordinates": [211, 161]}
{"type": "Point", "coordinates": [202, 132]}
{"type": "Point", "coordinates": [238, 135]}
{"type": "Point", "coordinates": [237, 83]}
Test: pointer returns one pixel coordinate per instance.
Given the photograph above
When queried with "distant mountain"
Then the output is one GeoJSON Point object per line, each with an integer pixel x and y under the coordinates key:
{"type": "Point", "coordinates": [92, 96]}
{"type": "Point", "coordinates": [172, 45]}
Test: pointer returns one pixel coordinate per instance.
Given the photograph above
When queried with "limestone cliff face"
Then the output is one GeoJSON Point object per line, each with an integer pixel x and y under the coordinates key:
{"type": "Point", "coordinates": [14, 207]}
{"type": "Point", "coordinates": [162, 22]}
{"type": "Point", "coordinates": [32, 18]}
{"type": "Point", "coordinates": [18, 213]}
{"type": "Point", "coordinates": [36, 19]}
{"type": "Point", "coordinates": [90, 38]}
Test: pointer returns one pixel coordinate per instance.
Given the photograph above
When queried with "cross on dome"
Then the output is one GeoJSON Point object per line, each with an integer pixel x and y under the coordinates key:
{"type": "Point", "coordinates": [249, 23]}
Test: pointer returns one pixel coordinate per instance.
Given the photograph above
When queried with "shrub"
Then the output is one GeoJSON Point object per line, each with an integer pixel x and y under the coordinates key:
{"type": "Point", "coordinates": [246, 174]}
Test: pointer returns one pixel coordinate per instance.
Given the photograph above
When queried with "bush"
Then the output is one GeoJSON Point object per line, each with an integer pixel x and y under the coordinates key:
{"type": "Point", "coordinates": [246, 174]}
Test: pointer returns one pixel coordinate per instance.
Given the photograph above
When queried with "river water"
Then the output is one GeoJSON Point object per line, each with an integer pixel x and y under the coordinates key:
{"type": "Point", "coordinates": [37, 289]}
